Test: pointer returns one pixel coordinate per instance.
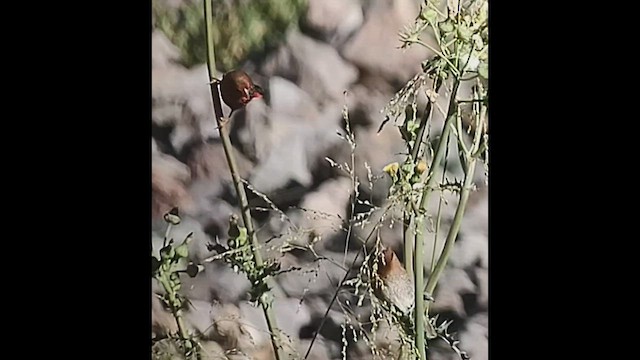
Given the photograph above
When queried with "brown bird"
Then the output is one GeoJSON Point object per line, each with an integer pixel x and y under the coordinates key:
{"type": "Point", "coordinates": [238, 89]}
{"type": "Point", "coordinates": [398, 287]}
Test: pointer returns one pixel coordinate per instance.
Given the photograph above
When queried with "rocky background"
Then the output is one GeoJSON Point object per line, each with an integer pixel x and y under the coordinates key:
{"type": "Point", "coordinates": [281, 143]}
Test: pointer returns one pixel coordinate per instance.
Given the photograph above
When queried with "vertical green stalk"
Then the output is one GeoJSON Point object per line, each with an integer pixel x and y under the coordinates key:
{"type": "Point", "coordinates": [177, 314]}
{"type": "Point", "coordinates": [409, 215]}
{"type": "Point", "coordinates": [418, 261]}
{"type": "Point", "coordinates": [408, 241]}
{"type": "Point", "coordinates": [455, 227]}
{"type": "Point", "coordinates": [237, 182]}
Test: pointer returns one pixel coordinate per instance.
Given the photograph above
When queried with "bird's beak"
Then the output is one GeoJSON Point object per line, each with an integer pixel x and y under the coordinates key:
{"type": "Point", "coordinates": [257, 92]}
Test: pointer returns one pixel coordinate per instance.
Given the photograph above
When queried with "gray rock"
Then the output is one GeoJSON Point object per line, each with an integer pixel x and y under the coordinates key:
{"type": "Point", "coordinates": [377, 150]}
{"type": "Point", "coordinates": [315, 66]}
{"type": "Point", "coordinates": [181, 100]}
{"type": "Point", "coordinates": [316, 279]}
{"type": "Point", "coordinates": [169, 179]}
{"type": "Point", "coordinates": [288, 99]}
{"type": "Point", "coordinates": [374, 48]}
{"type": "Point", "coordinates": [474, 339]}
{"type": "Point", "coordinates": [208, 161]}
{"type": "Point", "coordinates": [290, 147]}
{"type": "Point", "coordinates": [319, 351]}
{"type": "Point", "coordinates": [334, 20]}
{"type": "Point", "coordinates": [291, 317]}
{"type": "Point", "coordinates": [473, 243]}
{"type": "Point", "coordinates": [451, 285]}
{"type": "Point", "coordinates": [217, 282]}
{"type": "Point", "coordinates": [324, 211]}
{"type": "Point", "coordinates": [482, 276]}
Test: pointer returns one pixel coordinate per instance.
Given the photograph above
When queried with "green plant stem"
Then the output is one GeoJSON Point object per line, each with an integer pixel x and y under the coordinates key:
{"type": "Point", "coordinates": [415, 156]}
{"type": "Point", "coordinates": [182, 329]}
{"type": "Point", "coordinates": [418, 261]}
{"type": "Point", "coordinates": [442, 145]}
{"type": "Point", "coordinates": [454, 229]}
{"type": "Point", "coordinates": [415, 151]}
{"type": "Point", "coordinates": [407, 224]}
{"type": "Point", "coordinates": [237, 182]}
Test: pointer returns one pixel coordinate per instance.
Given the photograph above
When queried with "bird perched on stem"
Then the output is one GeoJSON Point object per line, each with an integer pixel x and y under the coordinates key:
{"type": "Point", "coordinates": [397, 286]}
{"type": "Point", "coordinates": [238, 89]}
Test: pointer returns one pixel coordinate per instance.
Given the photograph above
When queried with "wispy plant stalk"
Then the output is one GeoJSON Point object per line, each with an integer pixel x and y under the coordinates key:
{"type": "Point", "coordinates": [237, 182]}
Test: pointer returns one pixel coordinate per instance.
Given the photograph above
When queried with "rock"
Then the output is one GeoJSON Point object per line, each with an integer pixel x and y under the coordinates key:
{"type": "Point", "coordinates": [290, 315]}
{"type": "Point", "coordinates": [211, 211]}
{"type": "Point", "coordinates": [474, 339]}
{"type": "Point", "coordinates": [323, 211]}
{"type": "Point", "coordinates": [181, 102]}
{"type": "Point", "coordinates": [315, 66]}
{"type": "Point", "coordinates": [288, 99]}
{"type": "Point", "coordinates": [229, 329]}
{"type": "Point", "coordinates": [482, 276]}
{"type": "Point", "coordinates": [317, 279]}
{"type": "Point", "coordinates": [319, 351]}
{"type": "Point", "coordinates": [218, 282]}
{"type": "Point", "coordinates": [211, 350]}
{"type": "Point", "coordinates": [198, 318]}
{"type": "Point", "coordinates": [289, 147]}
{"type": "Point", "coordinates": [334, 20]}
{"type": "Point", "coordinates": [451, 285]}
{"type": "Point", "coordinates": [169, 179]}
{"type": "Point", "coordinates": [208, 161]}
{"type": "Point", "coordinates": [377, 150]}
{"type": "Point", "coordinates": [374, 47]}
{"type": "Point", "coordinates": [472, 245]}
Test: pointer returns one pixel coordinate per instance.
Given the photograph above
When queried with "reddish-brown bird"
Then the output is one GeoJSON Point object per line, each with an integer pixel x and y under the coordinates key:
{"type": "Point", "coordinates": [398, 287]}
{"type": "Point", "coordinates": [238, 89]}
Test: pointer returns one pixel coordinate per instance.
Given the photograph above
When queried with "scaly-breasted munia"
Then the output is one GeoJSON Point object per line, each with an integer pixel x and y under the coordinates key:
{"type": "Point", "coordinates": [398, 287]}
{"type": "Point", "coordinates": [238, 89]}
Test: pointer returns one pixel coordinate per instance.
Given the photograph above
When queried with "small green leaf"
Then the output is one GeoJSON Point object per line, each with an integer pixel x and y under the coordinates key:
{"type": "Point", "coordinates": [182, 251]}
{"type": "Point", "coordinates": [242, 237]}
{"type": "Point", "coordinates": [430, 16]}
{"type": "Point", "coordinates": [464, 32]}
{"type": "Point", "coordinates": [446, 26]}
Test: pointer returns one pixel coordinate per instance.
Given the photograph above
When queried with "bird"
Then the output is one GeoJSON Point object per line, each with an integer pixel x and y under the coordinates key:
{"type": "Point", "coordinates": [238, 89]}
{"type": "Point", "coordinates": [397, 286]}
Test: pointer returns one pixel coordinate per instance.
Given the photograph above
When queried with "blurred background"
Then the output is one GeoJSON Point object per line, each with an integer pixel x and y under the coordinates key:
{"type": "Point", "coordinates": [305, 54]}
